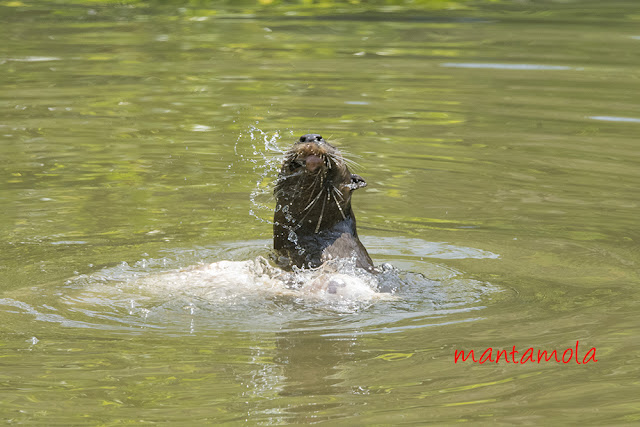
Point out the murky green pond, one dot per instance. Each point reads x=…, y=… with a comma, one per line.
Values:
x=500, y=144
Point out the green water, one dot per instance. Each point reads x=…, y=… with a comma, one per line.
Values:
x=499, y=143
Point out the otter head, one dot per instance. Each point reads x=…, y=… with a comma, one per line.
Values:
x=313, y=191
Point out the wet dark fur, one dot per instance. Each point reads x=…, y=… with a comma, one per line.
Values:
x=314, y=221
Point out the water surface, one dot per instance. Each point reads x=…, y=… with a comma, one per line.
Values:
x=499, y=143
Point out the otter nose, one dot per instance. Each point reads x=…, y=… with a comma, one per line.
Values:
x=311, y=137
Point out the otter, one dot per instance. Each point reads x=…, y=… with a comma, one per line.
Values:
x=313, y=220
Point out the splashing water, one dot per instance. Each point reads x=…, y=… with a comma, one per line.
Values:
x=265, y=154
x=185, y=292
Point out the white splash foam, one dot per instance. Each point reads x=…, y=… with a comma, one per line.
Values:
x=227, y=280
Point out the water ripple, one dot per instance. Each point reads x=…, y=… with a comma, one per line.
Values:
x=507, y=66
x=615, y=119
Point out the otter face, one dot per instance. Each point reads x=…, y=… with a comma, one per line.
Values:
x=315, y=184
x=312, y=152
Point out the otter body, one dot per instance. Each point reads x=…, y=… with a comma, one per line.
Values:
x=313, y=221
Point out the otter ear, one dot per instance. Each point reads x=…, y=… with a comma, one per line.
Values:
x=357, y=182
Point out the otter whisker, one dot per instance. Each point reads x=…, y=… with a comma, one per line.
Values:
x=315, y=199
x=338, y=205
x=345, y=160
x=333, y=157
x=299, y=224
x=351, y=163
x=309, y=209
x=298, y=188
x=321, y=215
x=293, y=175
x=338, y=192
x=312, y=187
x=348, y=159
x=348, y=153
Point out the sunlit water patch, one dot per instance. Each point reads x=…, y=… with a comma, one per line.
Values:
x=31, y=59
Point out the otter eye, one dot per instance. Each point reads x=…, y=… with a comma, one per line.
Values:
x=302, y=139
x=318, y=138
